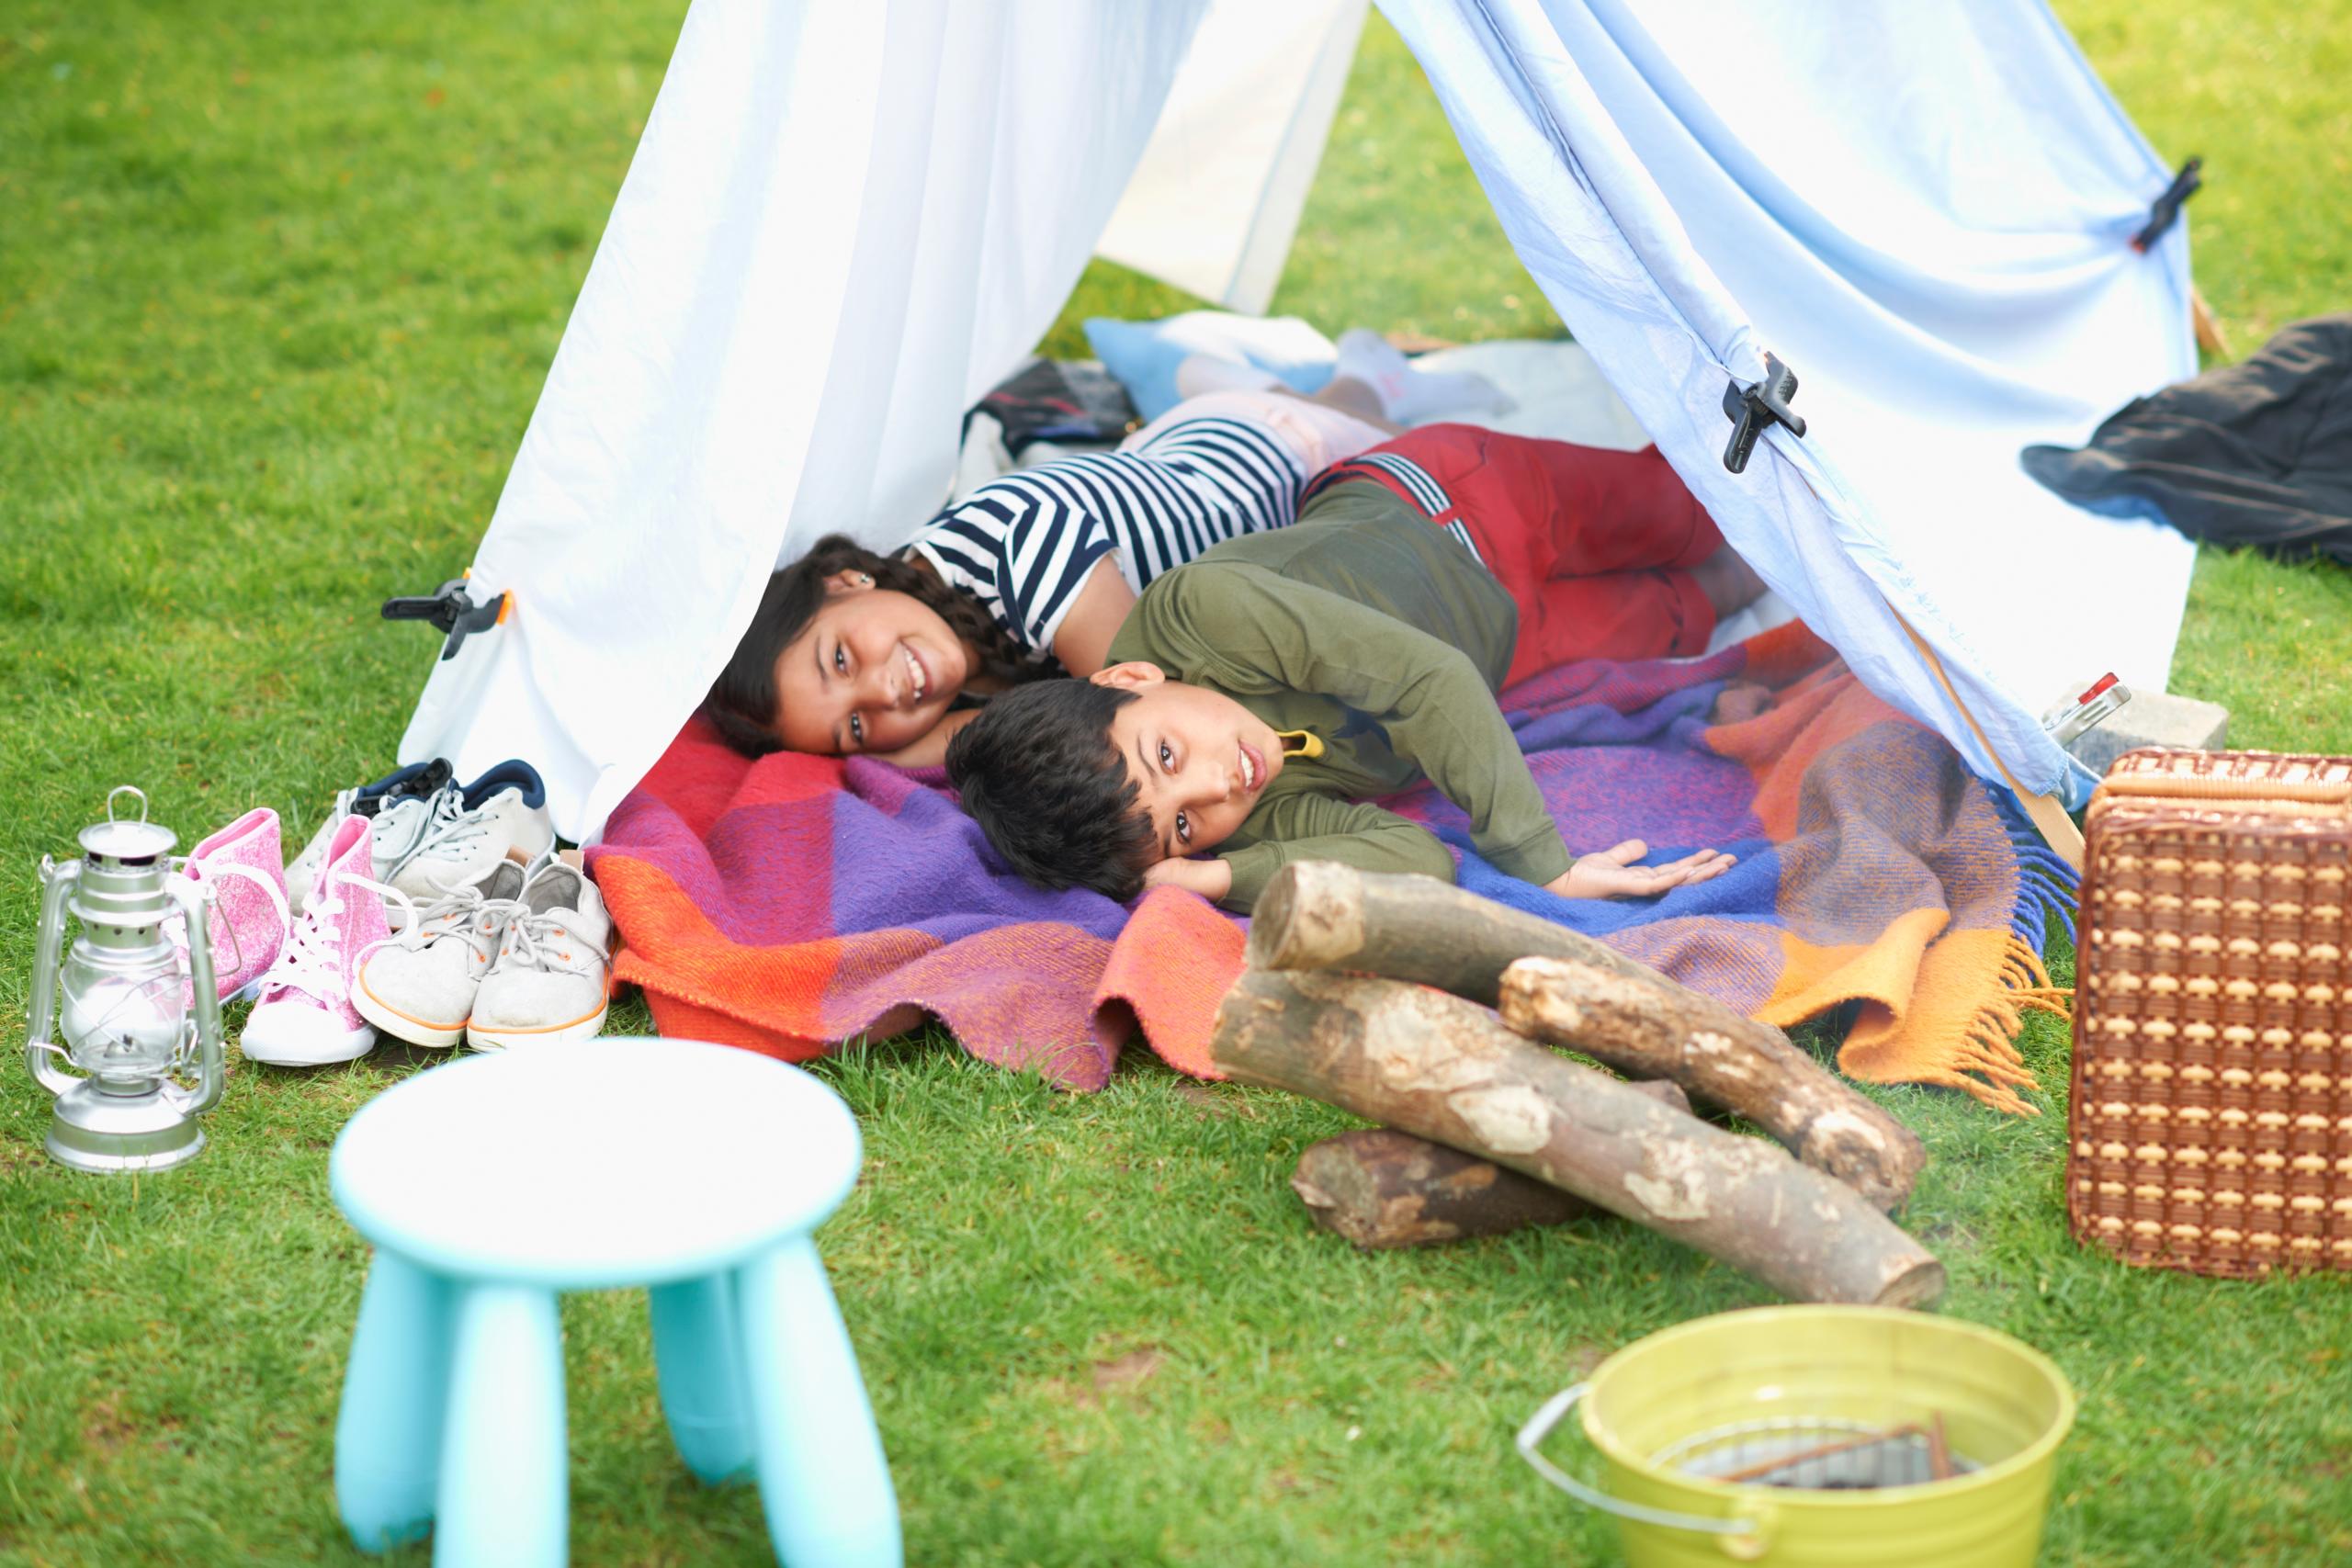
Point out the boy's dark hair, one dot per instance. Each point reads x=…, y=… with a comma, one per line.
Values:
x=741, y=703
x=1039, y=773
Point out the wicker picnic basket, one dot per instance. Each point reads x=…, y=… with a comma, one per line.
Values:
x=2210, y=1128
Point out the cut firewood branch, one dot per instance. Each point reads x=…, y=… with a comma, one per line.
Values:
x=1444, y=1069
x=1650, y=1027
x=1322, y=915
x=1380, y=1188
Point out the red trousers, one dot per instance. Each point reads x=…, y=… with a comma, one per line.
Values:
x=1595, y=547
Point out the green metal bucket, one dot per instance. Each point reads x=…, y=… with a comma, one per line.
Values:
x=1713, y=1393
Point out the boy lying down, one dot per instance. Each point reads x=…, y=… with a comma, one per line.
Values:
x=1256, y=695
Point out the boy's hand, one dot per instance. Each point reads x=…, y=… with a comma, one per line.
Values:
x=1741, y=701
x=1612, y=874
x=1212, y=879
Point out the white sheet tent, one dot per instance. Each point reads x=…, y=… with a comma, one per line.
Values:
x=844, y=222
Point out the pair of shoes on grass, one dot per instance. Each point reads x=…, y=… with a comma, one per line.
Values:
x=416, y=834
x=518, y=957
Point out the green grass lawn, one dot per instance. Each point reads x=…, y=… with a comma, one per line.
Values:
x=278, y=285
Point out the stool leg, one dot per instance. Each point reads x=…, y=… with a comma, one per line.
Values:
x=504, y=1492
x=695, y=1335
x=387, y=1435
x=823, y=1479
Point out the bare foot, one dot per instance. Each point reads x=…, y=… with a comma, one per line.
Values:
x=1729, y=583
x=1407, y=393
x=1357, y=400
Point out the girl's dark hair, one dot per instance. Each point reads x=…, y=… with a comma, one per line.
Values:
x=741, y=703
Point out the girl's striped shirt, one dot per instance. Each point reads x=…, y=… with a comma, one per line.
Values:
x=1022, y=544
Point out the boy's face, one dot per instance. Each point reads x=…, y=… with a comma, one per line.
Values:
x=1198, y=760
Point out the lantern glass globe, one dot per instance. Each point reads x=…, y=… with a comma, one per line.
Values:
x=123, y=1026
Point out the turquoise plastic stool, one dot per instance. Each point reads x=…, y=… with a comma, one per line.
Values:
x=489, y=1185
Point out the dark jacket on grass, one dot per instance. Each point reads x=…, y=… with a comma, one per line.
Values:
x=2258, y=453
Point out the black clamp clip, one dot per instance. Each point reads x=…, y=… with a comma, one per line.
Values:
x=452, y=610
x=2167, y=210
x=1752, y=408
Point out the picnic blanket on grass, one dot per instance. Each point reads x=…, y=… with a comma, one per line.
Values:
x=792, y=903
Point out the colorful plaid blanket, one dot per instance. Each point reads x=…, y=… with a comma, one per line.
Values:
x=793, y=903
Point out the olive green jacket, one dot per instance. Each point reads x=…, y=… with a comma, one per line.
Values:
x=1366, y=627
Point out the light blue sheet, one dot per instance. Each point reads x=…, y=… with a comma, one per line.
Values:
x=1923, y=209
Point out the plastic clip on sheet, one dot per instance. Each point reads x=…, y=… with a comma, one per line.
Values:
x=451, y=609
x=1751, y=408
x=2166, y=208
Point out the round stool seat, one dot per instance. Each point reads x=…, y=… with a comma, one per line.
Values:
x=598, y=1163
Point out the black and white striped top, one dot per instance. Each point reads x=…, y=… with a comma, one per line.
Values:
x=1022, y=544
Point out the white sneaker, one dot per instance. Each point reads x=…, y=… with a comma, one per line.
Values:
x=552, y=979
x=419, y=985
x=401, y=827
x=428, y=848
x=305, y=1017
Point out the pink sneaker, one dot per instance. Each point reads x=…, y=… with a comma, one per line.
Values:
x=305, y=1017
x=244, y=866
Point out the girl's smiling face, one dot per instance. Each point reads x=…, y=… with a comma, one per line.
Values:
x=873, y=671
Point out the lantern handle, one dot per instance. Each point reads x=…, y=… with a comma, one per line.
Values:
x=195, y=899
x=127, y=789
x=56, y=882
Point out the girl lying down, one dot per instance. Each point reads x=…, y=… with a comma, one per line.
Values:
x=1032, y=574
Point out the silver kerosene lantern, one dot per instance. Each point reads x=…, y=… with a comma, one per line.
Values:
x=126, y=1020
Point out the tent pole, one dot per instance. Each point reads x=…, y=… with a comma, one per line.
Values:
x=2049, y=818
x=2209, y=327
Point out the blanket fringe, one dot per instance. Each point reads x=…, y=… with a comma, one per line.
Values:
x=2027, y=983
x=1983, y=1060
x=2047, y=885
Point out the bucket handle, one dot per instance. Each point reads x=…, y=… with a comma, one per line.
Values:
x=1539, y=1427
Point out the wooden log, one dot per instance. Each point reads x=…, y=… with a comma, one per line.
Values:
x=1654, y=1029
x=1319, y=915
x=1442, y=1068
x=1380, y=1188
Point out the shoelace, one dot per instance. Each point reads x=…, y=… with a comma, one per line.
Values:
x=442, y=811
x=452, y=913
x=209, y=875
x=310, y=961
x=446, y=835
x=458, y=832
x=539, y=943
